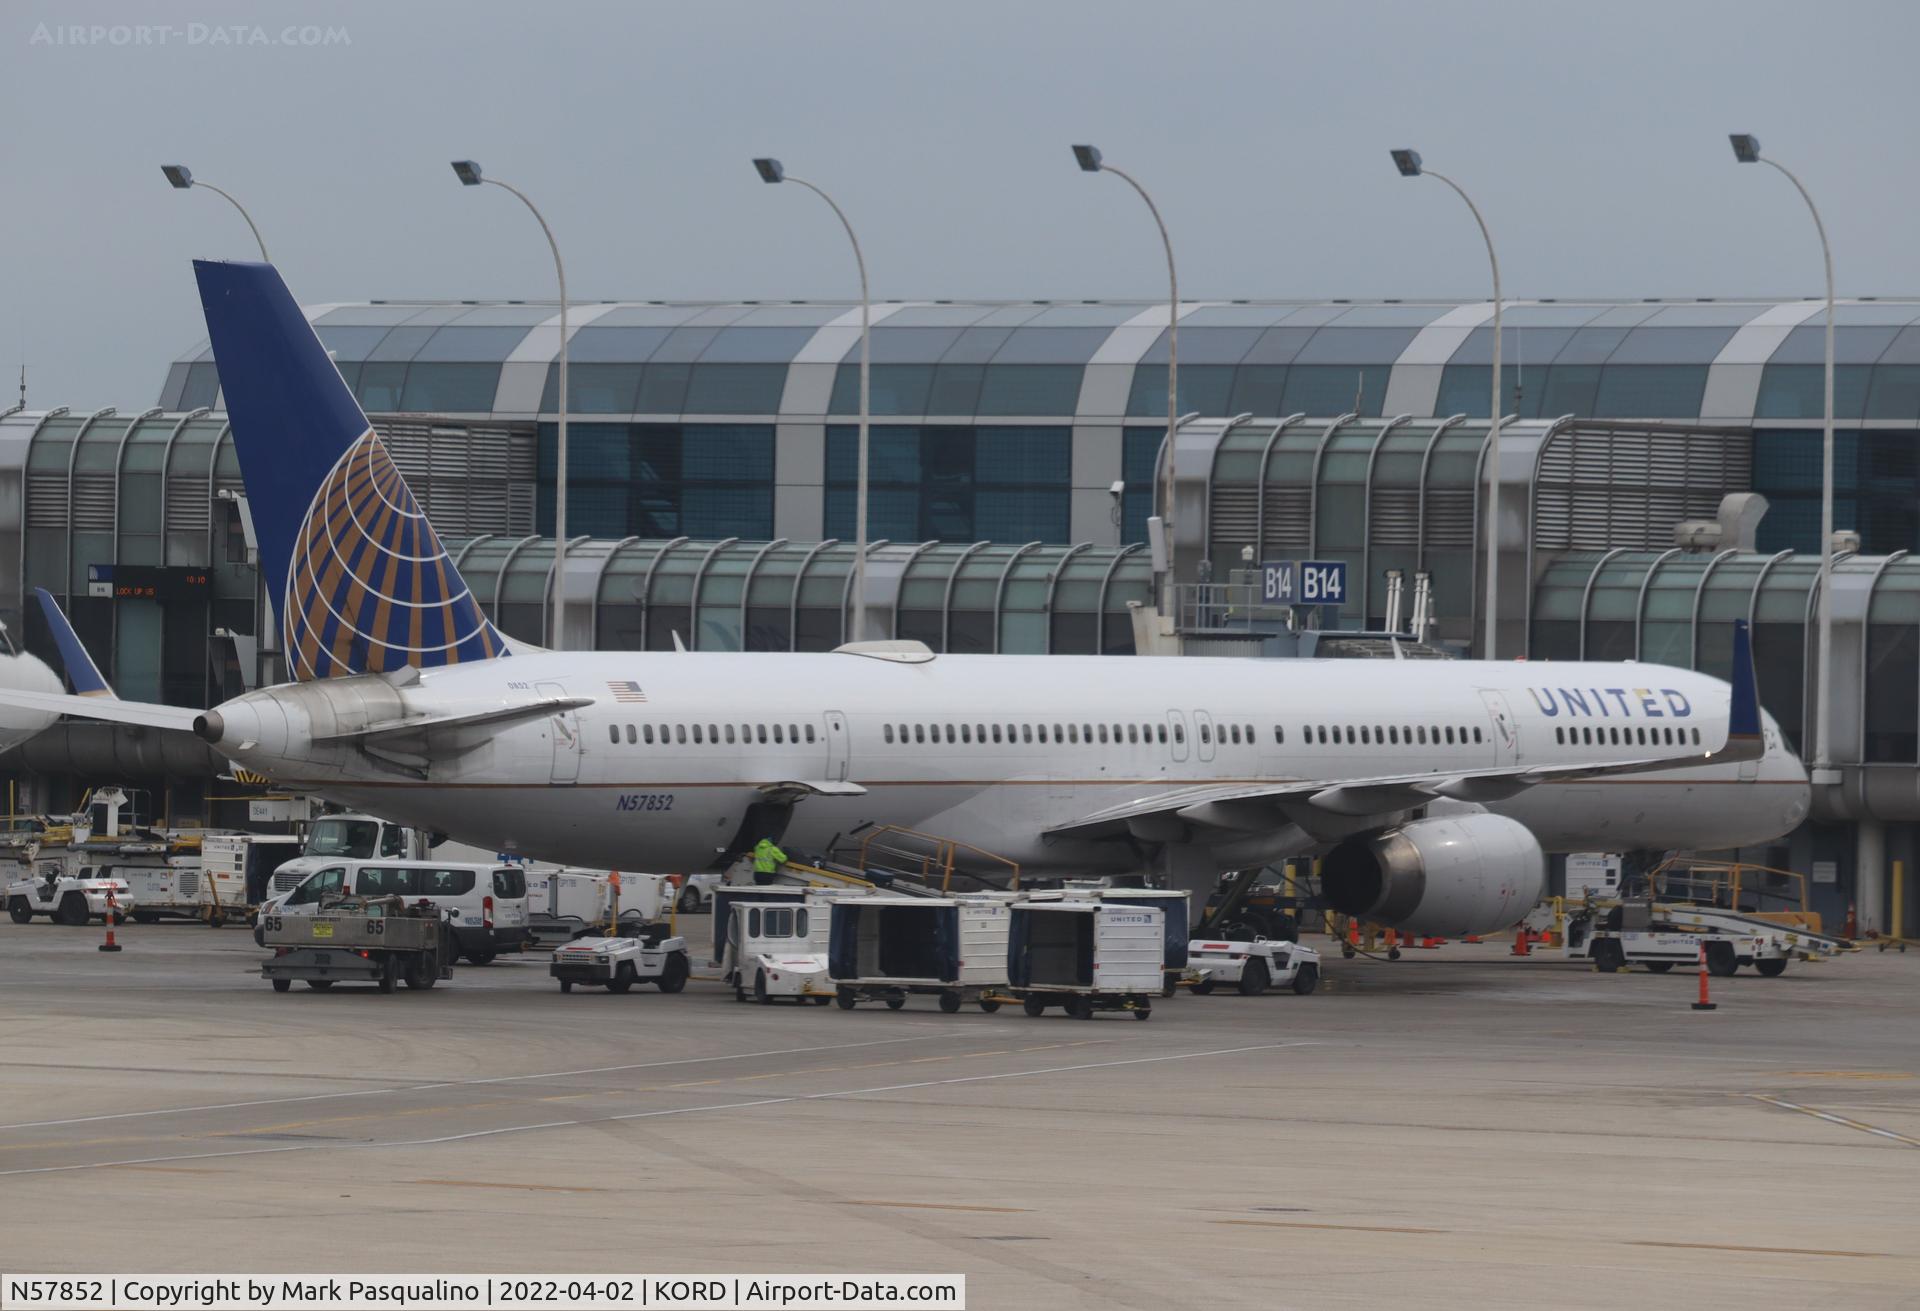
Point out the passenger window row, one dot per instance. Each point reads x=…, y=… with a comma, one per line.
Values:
x=1396, y=735
x=1636, y=735
x=714, y=734
x=1027, y=733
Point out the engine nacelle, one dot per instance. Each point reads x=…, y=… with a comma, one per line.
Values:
x=1447, y=877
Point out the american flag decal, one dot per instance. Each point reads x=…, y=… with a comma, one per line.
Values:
x=626, y=691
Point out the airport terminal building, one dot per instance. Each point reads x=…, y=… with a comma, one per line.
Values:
x=712, y=482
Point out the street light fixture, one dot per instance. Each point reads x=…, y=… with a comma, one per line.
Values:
x=468, y=171
x=181, y=178
x=771, y=170
x=1746, y=149
x=1410, y=166
x=1090, y=161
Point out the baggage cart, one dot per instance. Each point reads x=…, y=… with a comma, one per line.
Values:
x=1086, y=956
x=378, y=940
x=886, y=949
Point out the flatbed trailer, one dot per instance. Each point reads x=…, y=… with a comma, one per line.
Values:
x=378, y=940
x=1660, y=935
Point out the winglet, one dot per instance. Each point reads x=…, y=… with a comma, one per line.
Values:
x=1743, y=712
x=84, y=674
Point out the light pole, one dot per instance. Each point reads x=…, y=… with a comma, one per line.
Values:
x=1746, y=149
x=182, y=178
x=469, y=174
x=1088, y=157
x=770, y=170
x=1408, y=162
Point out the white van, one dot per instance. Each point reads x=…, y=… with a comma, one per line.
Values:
x=485, y=905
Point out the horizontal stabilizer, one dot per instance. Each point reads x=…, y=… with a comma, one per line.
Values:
x=492, y=716
x=113, y=711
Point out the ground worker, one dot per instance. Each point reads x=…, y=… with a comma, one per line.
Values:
x=767, y=860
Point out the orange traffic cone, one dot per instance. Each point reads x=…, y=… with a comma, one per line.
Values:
x=112, y=913
x=1703, y=1004
x=1520, y=940
x=1853, y=924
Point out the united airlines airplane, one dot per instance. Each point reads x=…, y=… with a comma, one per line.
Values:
x=1432, y=787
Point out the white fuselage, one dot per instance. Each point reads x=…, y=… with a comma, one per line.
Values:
x=995, y=750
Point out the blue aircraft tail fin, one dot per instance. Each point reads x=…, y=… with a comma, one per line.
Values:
x=1743, y=714
x=360, y=581
x=81, y=671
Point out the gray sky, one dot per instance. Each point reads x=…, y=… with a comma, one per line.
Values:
x=1593, y=134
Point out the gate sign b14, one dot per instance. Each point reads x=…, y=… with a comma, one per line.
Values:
x=1303, y=582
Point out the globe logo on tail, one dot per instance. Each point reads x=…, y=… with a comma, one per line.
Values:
x=370, y=588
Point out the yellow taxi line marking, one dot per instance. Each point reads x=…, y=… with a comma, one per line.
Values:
x=943, y=1206
x=1831, y=1118
x=1846, y=1074
x=484, y=1183
x=77, y=1142
x=1306, y=1224
x=1770, y=1251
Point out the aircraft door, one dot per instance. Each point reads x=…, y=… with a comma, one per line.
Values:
x=1177, y=734
x=1506, y=731
x=1203, y=731
x=563, y=726
x=839, y=750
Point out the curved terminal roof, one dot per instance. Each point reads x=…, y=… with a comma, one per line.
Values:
x=730, y=595
x=1105, y=360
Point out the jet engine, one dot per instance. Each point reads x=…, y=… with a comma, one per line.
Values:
x=1447, y=877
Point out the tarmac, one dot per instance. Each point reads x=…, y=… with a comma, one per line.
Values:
x=1457, y=1128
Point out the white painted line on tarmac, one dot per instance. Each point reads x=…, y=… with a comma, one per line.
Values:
x=670, y=1111
x=465, y=1083
x=1830, y=1118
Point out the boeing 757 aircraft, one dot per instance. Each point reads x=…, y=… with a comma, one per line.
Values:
x=1432, y=787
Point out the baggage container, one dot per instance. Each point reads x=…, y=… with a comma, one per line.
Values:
x=1176, y=905
x=887, y=948
x=1086, y=956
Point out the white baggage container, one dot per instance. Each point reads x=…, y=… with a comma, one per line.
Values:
x=1177, y=905
x=887, y=948
x=1086, y=956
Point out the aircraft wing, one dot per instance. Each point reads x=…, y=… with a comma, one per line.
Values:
x=1255, y=807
